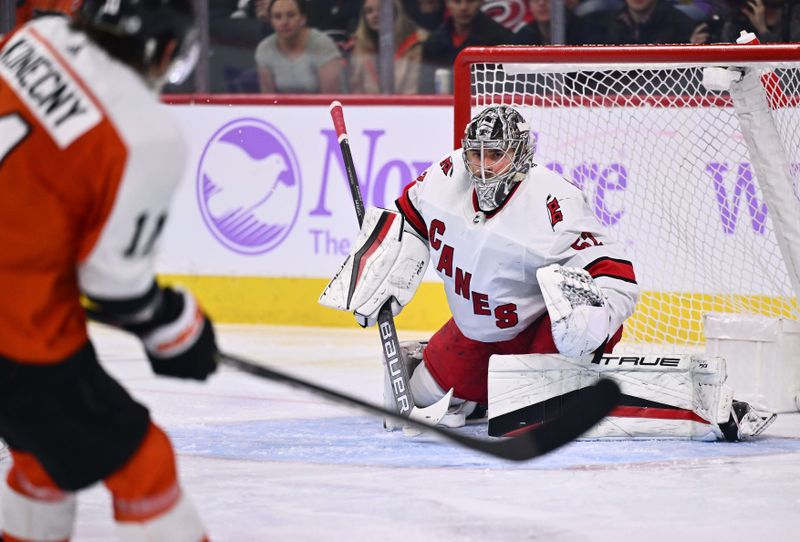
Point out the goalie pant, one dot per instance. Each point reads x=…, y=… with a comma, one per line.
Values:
x=682, y=397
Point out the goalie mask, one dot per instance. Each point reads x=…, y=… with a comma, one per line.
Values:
x=497, y=153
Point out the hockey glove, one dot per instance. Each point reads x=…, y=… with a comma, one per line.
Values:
x=387, y=264
x=183, y=346
x=178, y=337
x=579, y=317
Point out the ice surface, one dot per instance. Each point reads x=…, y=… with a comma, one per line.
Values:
x=265, y=462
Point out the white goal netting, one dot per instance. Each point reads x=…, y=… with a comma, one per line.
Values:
x=667, y=167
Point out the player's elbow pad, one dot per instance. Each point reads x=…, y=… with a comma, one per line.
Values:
x=387, y=264
x=177, y=336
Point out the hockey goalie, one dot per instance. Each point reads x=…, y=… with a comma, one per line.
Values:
x=538, y=293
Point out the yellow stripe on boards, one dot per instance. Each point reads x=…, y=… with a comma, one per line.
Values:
x=293, y=301
x=660, y=317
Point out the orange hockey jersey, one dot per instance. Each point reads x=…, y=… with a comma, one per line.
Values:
x=89, y=160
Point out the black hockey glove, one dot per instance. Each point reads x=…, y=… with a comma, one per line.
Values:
x=177, y=336
x=184, y=346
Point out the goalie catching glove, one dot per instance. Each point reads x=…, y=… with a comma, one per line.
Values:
x=387, y=264
x=579, y=316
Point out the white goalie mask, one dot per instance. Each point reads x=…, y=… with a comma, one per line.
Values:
x=497, y=153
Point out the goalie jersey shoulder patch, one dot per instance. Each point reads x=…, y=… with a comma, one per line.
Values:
x=554, y=210
x=447, y=166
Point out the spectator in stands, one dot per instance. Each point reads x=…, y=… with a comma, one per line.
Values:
x=238, y=21
x=234, y=29
x=296, y=58
x=429, y=14
x=651, y=22
x=336, y=18
x=467, y=26
x=773, y=21
x=364, y=73
x=538, y=31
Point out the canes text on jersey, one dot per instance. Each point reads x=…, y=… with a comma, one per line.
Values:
x=505, y=315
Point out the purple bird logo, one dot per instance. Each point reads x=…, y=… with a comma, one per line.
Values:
x=248, y=186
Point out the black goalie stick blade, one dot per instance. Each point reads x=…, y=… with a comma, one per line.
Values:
x=590, y=405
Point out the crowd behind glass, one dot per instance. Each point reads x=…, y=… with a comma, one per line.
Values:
x=407, y=46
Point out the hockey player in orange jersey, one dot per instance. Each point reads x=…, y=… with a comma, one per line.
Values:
x=88, y=164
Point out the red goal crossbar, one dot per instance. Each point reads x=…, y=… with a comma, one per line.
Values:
x=629, y=54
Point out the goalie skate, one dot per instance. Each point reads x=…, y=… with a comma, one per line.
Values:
x=438, y=413
x=746, y=422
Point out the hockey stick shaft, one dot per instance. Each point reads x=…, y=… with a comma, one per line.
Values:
x=397, y=370
x=337, y=115
x=591, y=405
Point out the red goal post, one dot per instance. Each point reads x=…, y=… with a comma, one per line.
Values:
x=676, y=170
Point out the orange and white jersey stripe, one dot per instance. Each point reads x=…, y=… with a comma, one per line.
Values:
x=89, y=160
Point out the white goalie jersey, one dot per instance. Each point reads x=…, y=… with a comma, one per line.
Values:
x=488, y=261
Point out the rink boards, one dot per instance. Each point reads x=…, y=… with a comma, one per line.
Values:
x=264, y=216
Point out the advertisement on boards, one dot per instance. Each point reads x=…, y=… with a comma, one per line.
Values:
x=266, y=194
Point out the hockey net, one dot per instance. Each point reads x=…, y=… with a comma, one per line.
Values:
x=666, y=165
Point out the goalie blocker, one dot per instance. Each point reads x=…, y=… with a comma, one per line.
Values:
x=672, y=397
x=387, y=263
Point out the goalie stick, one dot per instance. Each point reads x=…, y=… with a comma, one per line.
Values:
x=588, y=406
x=395, y=366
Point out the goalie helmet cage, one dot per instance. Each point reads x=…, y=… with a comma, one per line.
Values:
x=674, y=170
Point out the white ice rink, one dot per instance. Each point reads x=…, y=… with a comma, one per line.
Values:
x=264, y=462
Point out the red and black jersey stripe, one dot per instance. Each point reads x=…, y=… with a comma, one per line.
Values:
x=411, y=214
x=613, y=268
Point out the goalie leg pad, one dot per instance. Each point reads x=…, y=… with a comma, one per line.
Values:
x=663, y=397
